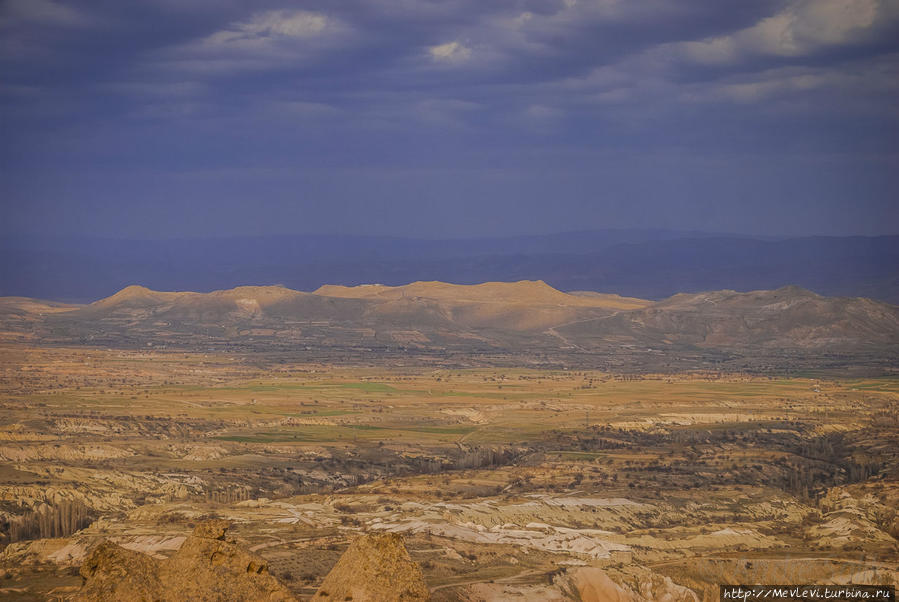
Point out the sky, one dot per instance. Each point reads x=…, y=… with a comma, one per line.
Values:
x=448, y=119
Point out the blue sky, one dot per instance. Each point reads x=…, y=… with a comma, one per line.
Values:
x=171, y=118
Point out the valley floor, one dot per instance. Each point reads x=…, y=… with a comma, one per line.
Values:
x=503, y=481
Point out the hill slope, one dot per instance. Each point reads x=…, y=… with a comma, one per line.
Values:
x=521, y=318
x=789, y=317
x=524, y=292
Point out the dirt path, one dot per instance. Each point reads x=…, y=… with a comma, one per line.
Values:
x=462, y=439
x=510, y=580
x=555, y=333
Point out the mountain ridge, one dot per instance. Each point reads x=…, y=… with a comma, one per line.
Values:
x=528, y=318
x=641, y=264
x=524, y=291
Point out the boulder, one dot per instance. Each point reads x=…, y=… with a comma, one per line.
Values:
x=113, y=573
x=375, y=568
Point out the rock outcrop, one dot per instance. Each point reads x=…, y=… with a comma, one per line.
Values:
x=112, y=572
x=636, y=584
x=585, y=584
x=375, y=568
x=207, y=567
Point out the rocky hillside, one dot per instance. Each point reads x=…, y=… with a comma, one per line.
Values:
x=789, y=317
x=206, y=567
x=375, y=568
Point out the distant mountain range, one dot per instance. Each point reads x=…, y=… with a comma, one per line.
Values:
x=651, y=264
x=777, y=329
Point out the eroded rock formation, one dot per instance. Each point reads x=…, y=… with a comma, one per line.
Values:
x=375, y=568
x=207, y=567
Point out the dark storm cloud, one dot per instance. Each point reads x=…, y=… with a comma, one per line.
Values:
x=581, y=112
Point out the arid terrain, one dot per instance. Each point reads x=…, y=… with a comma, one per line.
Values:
x=526, y=443
x=515, y=324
